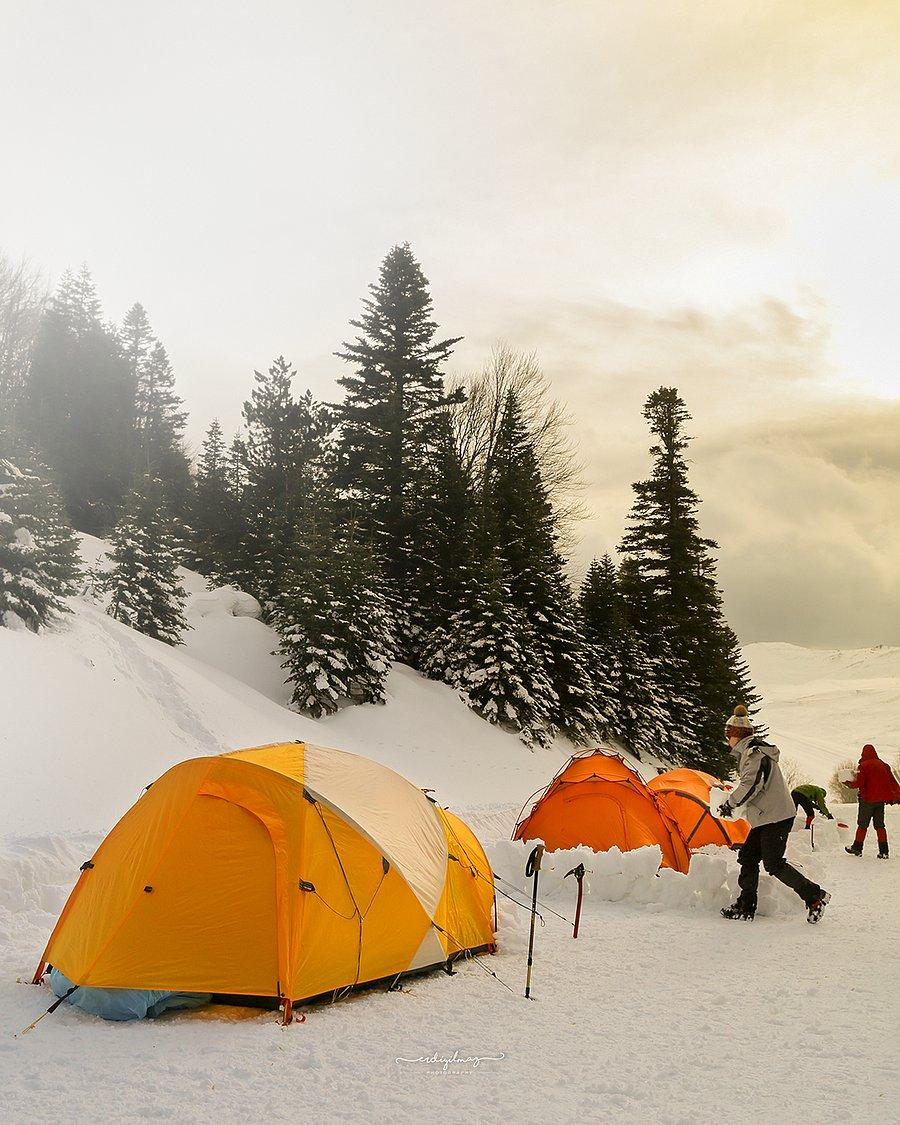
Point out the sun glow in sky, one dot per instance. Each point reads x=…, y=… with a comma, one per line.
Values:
x=698, y=192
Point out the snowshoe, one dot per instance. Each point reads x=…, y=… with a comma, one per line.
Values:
x=739, y=912
x=853, y=849
x=817, y=908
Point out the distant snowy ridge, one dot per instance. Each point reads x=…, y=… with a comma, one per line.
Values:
x=823, y=705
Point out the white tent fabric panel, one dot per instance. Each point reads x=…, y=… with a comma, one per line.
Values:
x=391, y=811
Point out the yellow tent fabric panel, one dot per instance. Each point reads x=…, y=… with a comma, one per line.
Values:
x=464, y=913
x=286, y=758
x=176, y=937
x=122, y=867
x=361, y=923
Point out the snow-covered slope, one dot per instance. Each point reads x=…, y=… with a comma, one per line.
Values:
x=823, y=705
x=93, y=711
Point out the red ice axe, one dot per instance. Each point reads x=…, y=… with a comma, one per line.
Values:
x=578, y=872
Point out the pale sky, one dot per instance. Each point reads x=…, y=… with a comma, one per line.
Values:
x=644, y=192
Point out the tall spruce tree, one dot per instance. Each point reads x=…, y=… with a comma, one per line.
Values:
x=626, y=673
x=518, y=517
x=445, y=540
x=78, y=405
x=598, y=599
x=159, y=416
x=333, y=620
x=284, y=461
x=143, y=584
x=39, y=561
x=489, y=652
x=216, y=514
x=674, y=569
x=391, y=420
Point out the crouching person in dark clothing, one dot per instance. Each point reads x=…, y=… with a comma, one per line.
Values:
x=762, y=797
x=810, y=798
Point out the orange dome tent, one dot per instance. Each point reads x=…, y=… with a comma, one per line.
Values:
x=685, y=794
x=598, y=801
x=286, y=871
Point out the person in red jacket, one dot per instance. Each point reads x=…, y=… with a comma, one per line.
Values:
x=877, y=787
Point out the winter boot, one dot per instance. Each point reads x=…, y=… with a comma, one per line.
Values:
x=883, y=852
x=808, y=824
x=857, y=846
x=816, y=908
x=739, y=911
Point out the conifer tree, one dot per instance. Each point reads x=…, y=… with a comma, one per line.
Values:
x=216, y=515
x=284, y=464
x=488, y=651
x=159, y=417
x=638, y=716
x=444, y=543
x=518, y=516
x=333, y=620
x=626, y=673
x=39, y=561
x=674, y=576
x=143, y=584
x=78, y=405
x=308, y=617
x=391, y=417
x=599, y=601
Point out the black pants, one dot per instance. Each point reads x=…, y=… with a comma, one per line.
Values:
x=766, y=844
x=870, y=811
x=803, y=802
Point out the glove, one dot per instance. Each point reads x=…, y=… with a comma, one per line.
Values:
x=725, y=810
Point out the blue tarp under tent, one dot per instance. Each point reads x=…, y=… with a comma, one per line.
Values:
x=124, y=1003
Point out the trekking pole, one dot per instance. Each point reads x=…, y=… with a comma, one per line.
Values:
x=532, y=868
x=812, y=835
x=578, y=872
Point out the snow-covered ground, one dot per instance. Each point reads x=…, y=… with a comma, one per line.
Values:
x=660, y=1011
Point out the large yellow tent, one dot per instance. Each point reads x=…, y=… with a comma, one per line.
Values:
x=286, y=871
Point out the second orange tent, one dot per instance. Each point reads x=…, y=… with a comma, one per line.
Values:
x=598, y=801
x=685, y=794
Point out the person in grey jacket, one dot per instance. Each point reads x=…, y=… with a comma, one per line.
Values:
x=763, y=798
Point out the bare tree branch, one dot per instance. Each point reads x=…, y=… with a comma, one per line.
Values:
x=477, y=420
x=23, y=294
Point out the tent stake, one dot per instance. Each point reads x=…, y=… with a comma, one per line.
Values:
x=532, y=868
